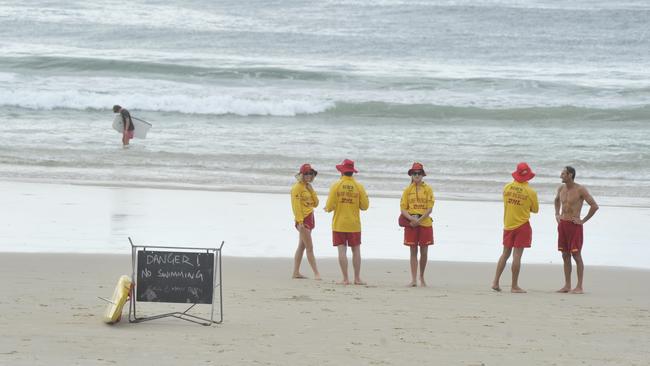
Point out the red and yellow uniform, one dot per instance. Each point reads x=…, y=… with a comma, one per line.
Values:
x=519, y=200
x=417, y=200
x=303, y=202
x=346, y=198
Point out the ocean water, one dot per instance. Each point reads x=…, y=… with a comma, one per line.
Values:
x=241, y=93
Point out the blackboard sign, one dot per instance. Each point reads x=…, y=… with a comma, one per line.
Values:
x=176, y=277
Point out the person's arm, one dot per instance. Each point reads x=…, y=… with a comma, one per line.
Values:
x=424, y=216
x=558, y=204
x=593, y=206
x=330, y=205
x=314, y=196
x=534, y=204
x=404, y=205
x=296, y=205
x=363, y=198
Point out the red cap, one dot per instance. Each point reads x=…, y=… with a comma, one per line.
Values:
x=346, y=166
x=523, y=173
x=306, y=168
x=417, y=166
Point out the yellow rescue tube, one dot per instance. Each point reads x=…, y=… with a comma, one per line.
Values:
x=120, y=295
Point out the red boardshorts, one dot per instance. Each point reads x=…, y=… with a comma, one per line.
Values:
x=308, y=222
x=520, y=237
x=349, y=239
x=569, y=237
x=418, y=235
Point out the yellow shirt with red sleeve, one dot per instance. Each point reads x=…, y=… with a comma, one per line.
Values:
x=418, y=199
x=303, y=201
x=519, y=200
x=346, y=198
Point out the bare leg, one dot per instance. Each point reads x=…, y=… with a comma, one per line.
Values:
x=501, y=265
x=305, y=237
x=424, y=251
x=297, y=258
x=580, y=269
x=356, y=263
x=566, y=257
x=516, y=267
x=414, y=265
x=343, y=263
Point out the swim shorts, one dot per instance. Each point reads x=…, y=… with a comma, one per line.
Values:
x=418, y=235
x=308, y=222
x=569, y=236
x=521, y=237
x=349, y=239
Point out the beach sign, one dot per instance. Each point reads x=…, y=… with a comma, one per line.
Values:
x=178, y=275
x=175, y=277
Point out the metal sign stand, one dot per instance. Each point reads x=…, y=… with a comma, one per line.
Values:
x=133, y=318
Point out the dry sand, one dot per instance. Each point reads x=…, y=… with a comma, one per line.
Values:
x=50, y=315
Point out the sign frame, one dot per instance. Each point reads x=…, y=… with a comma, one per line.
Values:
x=183, y=315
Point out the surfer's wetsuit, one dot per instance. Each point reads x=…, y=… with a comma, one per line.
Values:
x=126, y=116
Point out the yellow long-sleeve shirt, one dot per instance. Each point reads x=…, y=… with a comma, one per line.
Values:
x=346, y=198
x=519, y=200
x=417, y=200
x=303, y=201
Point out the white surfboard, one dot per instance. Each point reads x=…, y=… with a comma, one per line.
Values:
x=141, y=127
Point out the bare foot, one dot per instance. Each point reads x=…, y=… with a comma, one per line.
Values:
x=577, y=290
x=359, y=282
x=298, y=276
x=412, y=284
x=517, y=290
x=422, y=283
x=564, y=290
x=344, y=282
x=317, y=277
x=496, y=287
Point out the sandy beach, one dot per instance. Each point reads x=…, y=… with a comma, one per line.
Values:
x=50, y=315
x=240, y=94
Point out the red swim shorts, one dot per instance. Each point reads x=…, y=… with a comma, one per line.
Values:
x=520, y=237
x=418, y=235
x=308, y=222
x=349, y=239
x=569, y=236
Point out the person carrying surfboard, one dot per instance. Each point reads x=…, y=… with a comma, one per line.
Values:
x=127, y=133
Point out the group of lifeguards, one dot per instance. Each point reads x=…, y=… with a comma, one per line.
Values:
x=347, y=198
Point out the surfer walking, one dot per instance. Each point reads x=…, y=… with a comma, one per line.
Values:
x=127, y=132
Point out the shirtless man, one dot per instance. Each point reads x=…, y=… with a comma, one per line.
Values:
x=569, y=199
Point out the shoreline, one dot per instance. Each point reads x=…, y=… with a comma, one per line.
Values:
x=604, y=201
x=83, y=219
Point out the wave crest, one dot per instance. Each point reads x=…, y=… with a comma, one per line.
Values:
x=210, y=104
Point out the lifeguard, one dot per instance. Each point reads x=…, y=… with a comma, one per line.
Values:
x=519, y=200
x=346, y=198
